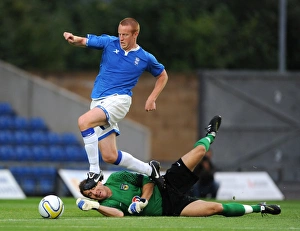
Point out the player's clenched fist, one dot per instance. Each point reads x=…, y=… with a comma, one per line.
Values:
x=137, y=205
x=69, y=37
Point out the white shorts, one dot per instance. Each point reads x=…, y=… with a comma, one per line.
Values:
x=115, y=107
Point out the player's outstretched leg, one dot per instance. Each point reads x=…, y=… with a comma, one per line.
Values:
x=213, y=126
x=269, y=209
x=236, y=209
x=212, y=130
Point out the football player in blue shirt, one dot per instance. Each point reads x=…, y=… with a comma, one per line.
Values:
x=123, y=61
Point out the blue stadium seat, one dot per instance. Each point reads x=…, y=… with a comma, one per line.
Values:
x=29, y=186
x=20, y=123
x=6, y=109
x=21, y=172
x=40, y=153
x=35, y=180
x=44, y=172
x=6, y=137
x=39, y=137
x=7, y=153
x=46, y=186
x=6, y=122
x=68, y=138
x=53, y=138
x=56, y=153
x=23, y=153
x=22, y=137
x=16, y=171
x=75, y=153
x=83, y=156
x=46, y=179
x=37, y=123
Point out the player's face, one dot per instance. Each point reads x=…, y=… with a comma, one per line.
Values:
x=99, y=192
x=127, y=38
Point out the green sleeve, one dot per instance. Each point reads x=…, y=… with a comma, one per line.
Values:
x=136, y=179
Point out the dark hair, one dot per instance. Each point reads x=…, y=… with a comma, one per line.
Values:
x=81, y=187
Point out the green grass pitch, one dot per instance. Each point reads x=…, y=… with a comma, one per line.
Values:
x=23, y=215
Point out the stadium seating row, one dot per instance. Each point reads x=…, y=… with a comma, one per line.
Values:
x=18, y=122
x=29, y=141
x=36, y=180
x=41, y=153
x=22, y=137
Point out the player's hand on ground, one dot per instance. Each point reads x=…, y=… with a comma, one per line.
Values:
x=137, y=205
x=85, y=204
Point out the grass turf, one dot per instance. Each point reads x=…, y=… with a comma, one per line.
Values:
x=23, y=215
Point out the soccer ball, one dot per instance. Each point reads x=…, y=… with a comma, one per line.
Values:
x=51, y=206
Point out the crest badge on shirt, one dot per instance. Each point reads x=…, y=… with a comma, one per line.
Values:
x=124, y=187
x=136, y=61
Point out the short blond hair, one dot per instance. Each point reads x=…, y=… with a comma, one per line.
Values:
x=131, y=22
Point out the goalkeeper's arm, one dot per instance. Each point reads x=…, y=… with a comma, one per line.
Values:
x=139, y=203
x=147, y=190
x=85, y=204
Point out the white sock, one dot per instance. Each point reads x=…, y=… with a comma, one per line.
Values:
x=134, y=164
x=91, y=148
x=248, y=209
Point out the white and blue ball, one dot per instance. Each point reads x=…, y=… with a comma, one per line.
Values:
x=51, y=206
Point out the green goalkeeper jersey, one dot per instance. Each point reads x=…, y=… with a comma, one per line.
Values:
x=124, y=186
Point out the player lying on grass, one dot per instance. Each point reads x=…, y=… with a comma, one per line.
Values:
x=126, y=193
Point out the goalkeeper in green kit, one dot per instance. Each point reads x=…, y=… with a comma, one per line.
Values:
x=126, y=193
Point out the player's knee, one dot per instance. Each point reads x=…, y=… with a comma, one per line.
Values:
x=201, y=149
x=110, y=159
x=200, y=152
x=82, y=123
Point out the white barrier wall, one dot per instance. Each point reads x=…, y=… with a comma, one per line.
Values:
x=247, y=186
x=9, y=188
